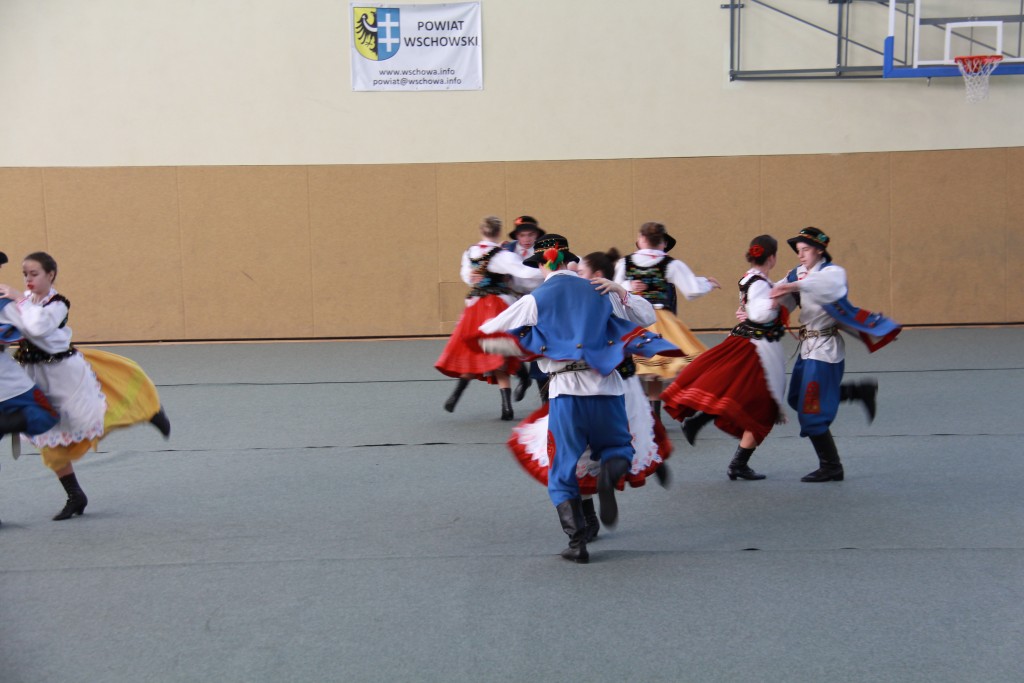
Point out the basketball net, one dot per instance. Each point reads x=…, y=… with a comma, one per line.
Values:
x=976, y=69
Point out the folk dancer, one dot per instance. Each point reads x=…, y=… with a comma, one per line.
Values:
x=487, y=268
x=652, y=273
x=575, y=329
x=819, y=287
x=741, y=382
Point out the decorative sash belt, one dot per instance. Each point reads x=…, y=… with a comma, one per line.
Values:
x=811, y=334
x=575, y=366
x=31, y=355
x=772, y=332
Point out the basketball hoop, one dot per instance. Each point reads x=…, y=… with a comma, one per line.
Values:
x=976, y=69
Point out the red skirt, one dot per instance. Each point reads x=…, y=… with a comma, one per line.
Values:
x=462, y=356
x=726, y=381
x=651, y=447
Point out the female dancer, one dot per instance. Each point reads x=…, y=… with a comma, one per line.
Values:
x=651, y=445
x=651, y=273
x=739, y=383
x=486, y=267
x=93, y=391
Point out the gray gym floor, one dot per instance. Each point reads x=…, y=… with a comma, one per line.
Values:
x=316, y=516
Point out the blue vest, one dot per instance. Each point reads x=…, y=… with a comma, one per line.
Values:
x=874, y=329
x=575, y=322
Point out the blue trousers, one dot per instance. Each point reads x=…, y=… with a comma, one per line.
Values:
x=575, y=422
x=36, y=407
x=814, y=394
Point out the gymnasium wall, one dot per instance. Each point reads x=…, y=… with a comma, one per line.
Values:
x=203, y=170
x=319, y=251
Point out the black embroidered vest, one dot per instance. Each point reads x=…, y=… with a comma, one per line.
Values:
x=772, y=331
x=492, y=283
x=659, y=290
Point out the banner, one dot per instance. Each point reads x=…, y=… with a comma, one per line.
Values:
x=417, y=47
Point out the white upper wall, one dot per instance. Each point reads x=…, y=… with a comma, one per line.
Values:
x=239, y=82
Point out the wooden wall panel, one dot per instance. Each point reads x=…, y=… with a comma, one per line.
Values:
x=712, y=207
x=246, y=252
x=114, y=233
x=847, y=196
x=589, y=202
x=466, y=193
x=375, y=268
x=949, y=218
x=1014, y=234
x=22, y=220
x=353, y=251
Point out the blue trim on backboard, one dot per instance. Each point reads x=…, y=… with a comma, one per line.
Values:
x=891, y=71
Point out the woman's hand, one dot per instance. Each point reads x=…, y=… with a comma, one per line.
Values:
x=6, y=292
x=605, y=286
x=714, y=283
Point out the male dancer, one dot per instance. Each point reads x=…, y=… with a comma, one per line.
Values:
x=819, y=287
x=521, y=241
x=582, y=336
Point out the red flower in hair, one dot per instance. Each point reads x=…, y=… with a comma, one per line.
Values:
x=756, y=250
x=550, y=255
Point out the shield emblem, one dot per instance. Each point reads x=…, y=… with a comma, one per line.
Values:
x=376, y=32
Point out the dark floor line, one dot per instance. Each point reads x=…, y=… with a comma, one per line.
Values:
x=409, y=381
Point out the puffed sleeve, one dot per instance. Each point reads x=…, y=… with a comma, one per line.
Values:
x=689, y=285
x=824, y=286
x=508, y=263
x=36, y=321
x=620, y=272
x=635, y=309
x=466, y=268
x=522, y=312
x=759, y=303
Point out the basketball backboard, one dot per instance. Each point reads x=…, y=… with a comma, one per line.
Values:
x=855, y=39
x=926, y=36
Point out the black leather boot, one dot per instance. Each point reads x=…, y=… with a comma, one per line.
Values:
x=13, y=423
x=656, y=410
x=76, y=498
x=830, y=469
x=542, y=387
x=506, y=405
x=460, y=386
x=694, y=424
x=663, y=475
x=161, y=422
x=523, y=374
x=865, y=391
x=739, y=469
x=570, y=514
x=611, y=471
x=593, y=525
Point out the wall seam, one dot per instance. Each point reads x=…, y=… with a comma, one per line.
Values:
x=46, y=218
x=892, y=234
x=1005, y=194
x=632, y=191
x=437, y=252
x=181, y=248
x=309, y=243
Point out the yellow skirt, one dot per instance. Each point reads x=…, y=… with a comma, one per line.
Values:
x=131, y=398
x=675, y=332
